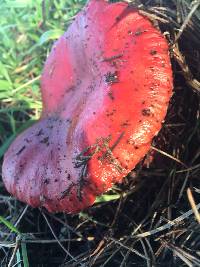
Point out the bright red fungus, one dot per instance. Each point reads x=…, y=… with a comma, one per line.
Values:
x=105, y=90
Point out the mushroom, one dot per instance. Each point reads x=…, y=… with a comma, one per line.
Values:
x=105, y=90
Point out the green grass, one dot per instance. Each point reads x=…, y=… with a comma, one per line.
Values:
x=27, y=31
x=147, y=219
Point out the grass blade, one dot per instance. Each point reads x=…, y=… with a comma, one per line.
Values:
x=25, y=255
x=9, y=225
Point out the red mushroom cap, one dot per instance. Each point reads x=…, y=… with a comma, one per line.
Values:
x=105, y=89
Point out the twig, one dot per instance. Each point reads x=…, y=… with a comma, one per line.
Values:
x=183, y=186
x=189, y=169
x=186, y=257
x=129, y=248
x=26, y=84
x=60, y=244
x=169, y=224
x=14, y=251
x=169, y=156
x=192, y=82
x=17, y=263
x=193, y=204
x=50, y=241
x=186, y=22
x=100, y=248
x=7, y=244
x=20, y=217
